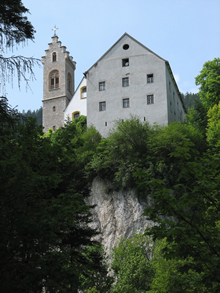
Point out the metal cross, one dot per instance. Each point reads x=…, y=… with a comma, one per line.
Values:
x=54, y=29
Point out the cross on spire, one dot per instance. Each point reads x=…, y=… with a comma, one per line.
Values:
x=55, y=29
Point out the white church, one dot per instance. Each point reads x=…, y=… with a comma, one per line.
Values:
x=127, y=79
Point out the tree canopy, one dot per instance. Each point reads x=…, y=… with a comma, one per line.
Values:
x=209, y=82
x=45, y=232
x=15, y=28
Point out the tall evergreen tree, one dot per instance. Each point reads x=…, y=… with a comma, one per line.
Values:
x=44, y=222
x=15, y=28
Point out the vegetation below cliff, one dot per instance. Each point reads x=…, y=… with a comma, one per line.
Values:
x=45, y=224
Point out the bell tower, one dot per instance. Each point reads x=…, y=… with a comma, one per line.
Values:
x=58, y=83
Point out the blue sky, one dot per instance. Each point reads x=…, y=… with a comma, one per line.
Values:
x=184, y=32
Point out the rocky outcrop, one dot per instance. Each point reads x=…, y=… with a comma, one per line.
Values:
x=116, y=214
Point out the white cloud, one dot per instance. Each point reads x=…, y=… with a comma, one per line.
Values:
x=177, y=78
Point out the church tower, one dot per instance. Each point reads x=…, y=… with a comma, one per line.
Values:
x=58, y=83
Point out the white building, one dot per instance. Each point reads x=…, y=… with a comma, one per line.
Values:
x=128, y=79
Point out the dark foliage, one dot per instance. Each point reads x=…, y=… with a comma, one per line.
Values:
x=44, y=222
x=36, y=114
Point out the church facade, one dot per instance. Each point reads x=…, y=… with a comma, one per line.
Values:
x=127, y=79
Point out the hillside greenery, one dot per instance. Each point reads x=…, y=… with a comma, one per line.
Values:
x=46, y=237
x=35, y=114
x=46, y=240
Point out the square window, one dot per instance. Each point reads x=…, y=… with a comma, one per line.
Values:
x=102, y=106
x=150, y=99
x=102, y=86
x=126, y=103
x=125, y=81
x=150, y=78
x=125, y=62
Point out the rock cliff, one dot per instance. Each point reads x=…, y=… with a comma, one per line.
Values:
x=117, y=213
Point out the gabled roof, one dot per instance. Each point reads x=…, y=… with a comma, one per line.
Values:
x=167, y=63
x=125, y=34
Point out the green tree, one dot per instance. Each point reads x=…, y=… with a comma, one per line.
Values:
x=122, y=152
x=190, y=99
x=44, y=222
x=15, y=29
x=213, y=127
x=168, y=277
x=34, y=114
x=209, y=93
x=132, y=264
x=186, y=211
x=209, y=82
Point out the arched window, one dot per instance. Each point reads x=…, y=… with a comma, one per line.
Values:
x=54, y=108
x=83, y=94
x=54, y=127
x=54, y=56
x=75, y=115
x=69, y=83
x=54, y=79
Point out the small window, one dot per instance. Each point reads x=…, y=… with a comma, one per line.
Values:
x=54, y=128
x=54, y=108
x=102, y=86
x=126, y=47
x=83, y=94
x=125, y=62
x=144, y=119
x=174, y=97
x=170, y=86
x=75, y=115
x=54, y=56
x=126, y=103
x=150, y=78
x=102, y=106
x=150, y=99
x=125, y=81
x=105, y=123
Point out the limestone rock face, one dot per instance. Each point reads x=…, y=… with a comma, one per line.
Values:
x=117, y=214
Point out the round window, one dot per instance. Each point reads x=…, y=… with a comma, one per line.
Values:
x=126, y=47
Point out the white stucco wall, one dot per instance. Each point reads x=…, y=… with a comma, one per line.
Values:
x=110, y=70
x=78, y=102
